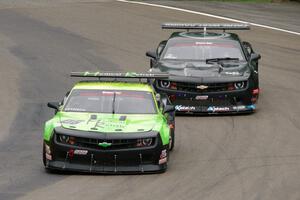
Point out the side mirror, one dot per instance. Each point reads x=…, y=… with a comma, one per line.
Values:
x=254, y=56
x=248, y=47
x=169, y=108
x=151, y=54
x=54, y=105
x=161, y=47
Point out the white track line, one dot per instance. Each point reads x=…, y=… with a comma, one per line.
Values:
x=210, y=15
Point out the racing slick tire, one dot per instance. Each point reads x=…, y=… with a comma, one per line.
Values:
x=172, y=140
x=48, y=170
x=44, y=155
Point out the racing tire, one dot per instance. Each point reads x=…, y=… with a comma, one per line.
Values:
x=44, y=156
x=172, y=140
x=48, y=170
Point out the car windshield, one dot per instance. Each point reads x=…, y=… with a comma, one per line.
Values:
x=108, y=101
x=198, y=50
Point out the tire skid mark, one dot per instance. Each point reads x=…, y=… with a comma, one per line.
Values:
x=231, y=162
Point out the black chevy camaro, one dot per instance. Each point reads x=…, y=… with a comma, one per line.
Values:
x=210, y=72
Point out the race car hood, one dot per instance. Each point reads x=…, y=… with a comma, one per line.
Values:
x=110, y=123
x=215, y=71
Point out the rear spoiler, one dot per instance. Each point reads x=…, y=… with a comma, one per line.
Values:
x=120, y=75
x=206, y=26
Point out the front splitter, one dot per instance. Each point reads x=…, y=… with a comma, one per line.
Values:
x=232, y=109
x=102, y=169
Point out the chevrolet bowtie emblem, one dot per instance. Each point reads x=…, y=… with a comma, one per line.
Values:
x=202, y=87
x=104, y=144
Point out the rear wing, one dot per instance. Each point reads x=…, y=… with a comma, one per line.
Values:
x=120, y=75
x=206, y=26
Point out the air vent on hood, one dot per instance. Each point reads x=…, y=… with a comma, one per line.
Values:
x=122, y=118
x=93, y=117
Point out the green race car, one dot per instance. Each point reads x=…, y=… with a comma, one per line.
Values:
x=117, y=124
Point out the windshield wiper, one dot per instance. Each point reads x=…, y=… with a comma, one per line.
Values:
x=212, y=60
x=113, y=103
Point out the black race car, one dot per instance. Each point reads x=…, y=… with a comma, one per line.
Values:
x=210, y=72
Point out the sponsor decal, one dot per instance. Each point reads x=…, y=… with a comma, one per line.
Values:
x=253, y=107
x=75, y=109
x=232, y=73
x=71, y=121
x=119, y=74
x=201, y=97
x=202, y=87
x=113, y=123
x=217, y=109
x=239, y=107
x=131, y=74
x=242, y=107
x=203, y=43
x=81, y=152
x=184, y=108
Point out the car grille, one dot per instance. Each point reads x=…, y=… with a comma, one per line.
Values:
x=206, y=88
x=113, y=144
x=192, y=87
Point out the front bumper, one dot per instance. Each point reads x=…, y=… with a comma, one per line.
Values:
x=211, y=103
x=214, y=109
x=106, y=161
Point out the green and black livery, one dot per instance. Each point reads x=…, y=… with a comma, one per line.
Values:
x=116, y=123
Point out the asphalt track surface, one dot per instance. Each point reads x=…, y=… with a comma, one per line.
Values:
x=249, y=157
x=280, y=15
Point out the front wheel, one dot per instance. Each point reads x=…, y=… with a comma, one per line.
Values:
x=44, y=155
x=172, y=140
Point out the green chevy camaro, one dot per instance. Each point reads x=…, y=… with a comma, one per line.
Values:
x=110, y=126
